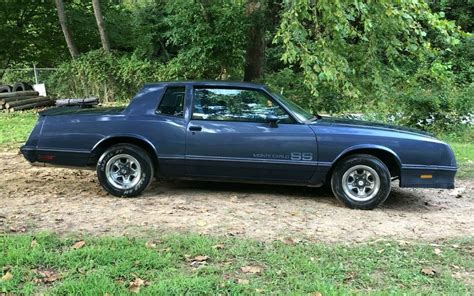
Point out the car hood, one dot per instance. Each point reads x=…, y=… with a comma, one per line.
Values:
x=369, y=124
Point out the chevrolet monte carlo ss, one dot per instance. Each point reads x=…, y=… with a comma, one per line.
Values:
x=238, y=132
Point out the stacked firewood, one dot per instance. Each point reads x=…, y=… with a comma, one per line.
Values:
x=23, y=100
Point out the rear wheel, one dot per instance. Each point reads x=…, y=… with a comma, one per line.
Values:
x=125, y=170
x=361, y=182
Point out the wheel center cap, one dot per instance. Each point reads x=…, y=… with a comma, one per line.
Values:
x=360, y=183
x=124, y=171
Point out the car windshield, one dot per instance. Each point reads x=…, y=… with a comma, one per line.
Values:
x=299, y=112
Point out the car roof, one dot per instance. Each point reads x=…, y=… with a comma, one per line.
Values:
x=208, y=83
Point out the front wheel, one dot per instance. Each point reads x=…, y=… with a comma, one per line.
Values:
x=361, y=182
x=125, y=170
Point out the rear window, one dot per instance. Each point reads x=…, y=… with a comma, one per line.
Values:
x=172, y=102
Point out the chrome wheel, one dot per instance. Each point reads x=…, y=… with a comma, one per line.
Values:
x=123, y=171
x=361, y=183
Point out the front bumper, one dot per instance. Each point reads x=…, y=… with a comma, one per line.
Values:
x=428, y=176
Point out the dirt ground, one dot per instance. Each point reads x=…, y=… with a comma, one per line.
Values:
x=62, y=200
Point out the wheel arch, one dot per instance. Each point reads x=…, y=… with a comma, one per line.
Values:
x=107, y=142
x=386, y=155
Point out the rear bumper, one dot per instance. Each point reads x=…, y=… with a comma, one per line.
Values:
x=429, y=176
x=29, y=153
x=55, y=157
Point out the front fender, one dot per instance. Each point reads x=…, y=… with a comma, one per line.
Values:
x=368, y=147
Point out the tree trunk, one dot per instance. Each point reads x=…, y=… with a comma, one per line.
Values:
x=67, y=35
x=255, y=51
x=100, y=24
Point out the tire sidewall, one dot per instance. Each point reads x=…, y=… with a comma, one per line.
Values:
x=140, y=155
x=370, y=161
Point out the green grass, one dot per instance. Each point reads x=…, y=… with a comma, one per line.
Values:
x=108, y=265
x=15, y=128
x=465, y=157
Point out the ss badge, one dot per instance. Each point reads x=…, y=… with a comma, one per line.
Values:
x=301, y=156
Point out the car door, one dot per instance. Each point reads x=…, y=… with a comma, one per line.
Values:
x=229, y=137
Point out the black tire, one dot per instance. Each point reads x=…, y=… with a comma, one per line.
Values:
x=5, y=88
x=21, y=86
x=120, y=152
x=351, y=170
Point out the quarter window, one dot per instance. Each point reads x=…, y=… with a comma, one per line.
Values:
x=236, y=105
x=172, y=102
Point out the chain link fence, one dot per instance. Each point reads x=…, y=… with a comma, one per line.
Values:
x=32, y=75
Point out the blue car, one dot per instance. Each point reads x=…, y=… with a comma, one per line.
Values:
x=237, y=132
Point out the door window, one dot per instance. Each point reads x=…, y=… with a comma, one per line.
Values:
x=228, y=104
x=172, y=102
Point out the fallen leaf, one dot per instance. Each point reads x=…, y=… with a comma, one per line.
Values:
x=201, y=258
x=242, y=281
x=46, y=276
x=7, y=276
x=13, y=229
x=428, y=271
x=6, y=268
x=289, y=241
x=403, y=243
x=254, y=269
x=316, y=294
x=350, y=276
x=78, y=244
x=218, y=246
x=34, y=243
x=437, y=251
x=201, y=223
x=135, y=286
x=381, y=251
x=150, y=245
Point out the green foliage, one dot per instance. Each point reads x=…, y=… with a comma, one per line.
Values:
x=210, y=37
x=435, y=110
x=329, y=56
x=108, y=266
x=338, y=45
x=11, y=76
x=29, y=33
x=96, y=73
x=290, y=84
x=461, y=11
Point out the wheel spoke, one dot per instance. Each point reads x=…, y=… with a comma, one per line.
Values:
x=123, y=171
x=361, y=182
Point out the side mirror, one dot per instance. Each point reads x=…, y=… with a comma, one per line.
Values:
x=272, y=120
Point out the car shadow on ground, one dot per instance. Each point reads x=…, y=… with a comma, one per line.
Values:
x=399, y=198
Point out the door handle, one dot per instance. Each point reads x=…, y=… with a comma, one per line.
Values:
x=195, y=128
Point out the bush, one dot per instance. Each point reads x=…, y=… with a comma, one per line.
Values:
x=106, y=76
x=434, y=110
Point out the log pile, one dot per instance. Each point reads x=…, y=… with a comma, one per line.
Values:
x=23, y=100
x=85, y=102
